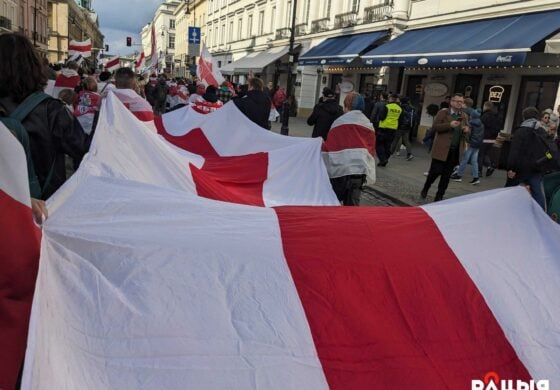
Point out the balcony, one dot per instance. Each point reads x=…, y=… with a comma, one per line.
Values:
x=283, y=33
x=347, y=19
x=5, y=23
x=320, y=25
x=378, y=12
x=301, y=29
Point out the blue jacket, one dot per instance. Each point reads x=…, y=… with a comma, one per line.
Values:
x=476, y=136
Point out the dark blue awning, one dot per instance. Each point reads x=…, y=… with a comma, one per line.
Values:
x=501, y=41
x=340, y=50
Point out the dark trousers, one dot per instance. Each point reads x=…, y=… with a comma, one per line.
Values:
x=348, y=189
x=487, y=156
x=383, y=140
x=443, y=169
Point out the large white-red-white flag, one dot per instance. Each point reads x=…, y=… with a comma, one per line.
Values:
x=140, y=62
x=83, y=48
x=19, y=257
x=113, y=63
x=207, y=70
x=146, y=279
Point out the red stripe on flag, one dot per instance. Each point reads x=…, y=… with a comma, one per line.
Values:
x=19, y=259
x=144, y=116
x=350, y=136
x=67, y=82
x=238, y=179
x=388, y=302
x=81, y=49
x=194, y=141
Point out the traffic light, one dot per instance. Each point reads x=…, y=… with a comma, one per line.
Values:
x=106, y=47
x=128, y=41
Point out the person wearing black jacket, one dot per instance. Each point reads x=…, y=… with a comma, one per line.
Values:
x=492, y=126
x=324, y=114
x=50, y=126
x=525, y=152
x=255, y=104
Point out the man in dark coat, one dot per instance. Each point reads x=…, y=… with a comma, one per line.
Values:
x=324, y=114
x=255, y=104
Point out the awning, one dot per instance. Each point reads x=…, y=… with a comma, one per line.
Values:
x=500, y=41
x=255, y=61
x=341, y=50
x=553, y=45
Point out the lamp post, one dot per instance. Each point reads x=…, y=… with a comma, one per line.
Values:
x=286, y=106
x=35, y=25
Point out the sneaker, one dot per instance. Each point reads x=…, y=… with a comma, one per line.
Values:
x=409, y=157
x=456, y=177
x=475, y=180
x=489, y=171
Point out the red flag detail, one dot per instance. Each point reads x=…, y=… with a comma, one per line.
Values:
x=19, y=259
x=390, y=306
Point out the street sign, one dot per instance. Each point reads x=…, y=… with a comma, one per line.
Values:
x=194, y=35
x=194, y=49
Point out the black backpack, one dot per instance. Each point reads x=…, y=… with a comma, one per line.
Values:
x=550, y=155
x=14, y=123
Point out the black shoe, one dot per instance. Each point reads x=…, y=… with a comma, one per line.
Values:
x=438, y=198
x=424, y=194
x=475, y=180
x=456, y=177
x=382, y=163
x=489, y=171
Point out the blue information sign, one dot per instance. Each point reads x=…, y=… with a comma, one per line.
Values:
x=194, y=35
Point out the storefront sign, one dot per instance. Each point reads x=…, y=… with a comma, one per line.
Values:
x=496, y=93
x=435, y=89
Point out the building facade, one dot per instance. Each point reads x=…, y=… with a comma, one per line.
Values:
x=188, y=14
x=28, y=17
x=69, y=21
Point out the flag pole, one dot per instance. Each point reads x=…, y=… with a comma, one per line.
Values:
x=286, y=106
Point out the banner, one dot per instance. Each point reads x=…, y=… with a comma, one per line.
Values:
x=83, y=48
x=207, y=70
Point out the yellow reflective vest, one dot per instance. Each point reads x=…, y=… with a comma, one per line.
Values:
x=391, y=121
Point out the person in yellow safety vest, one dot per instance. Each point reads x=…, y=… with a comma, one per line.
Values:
x=388, y=124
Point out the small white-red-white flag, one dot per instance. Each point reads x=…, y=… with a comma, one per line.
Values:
x=207, y=70
x=83, y=48
x=154, y=57
x=113, y=63
x=140, y=62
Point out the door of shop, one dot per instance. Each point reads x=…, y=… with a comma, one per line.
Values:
x=536, y=91
x=468, y=85
x=415, y=92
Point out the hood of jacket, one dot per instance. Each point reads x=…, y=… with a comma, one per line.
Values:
x=331, y=106
x=531, y=122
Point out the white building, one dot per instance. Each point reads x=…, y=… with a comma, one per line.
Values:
x=164, y=23
x=333, y=40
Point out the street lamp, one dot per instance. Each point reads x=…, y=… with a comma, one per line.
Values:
x=286, y=106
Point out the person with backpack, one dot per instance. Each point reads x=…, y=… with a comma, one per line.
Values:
x=474, y=142
x=42, y=119
x=531, y=154
x=324, y=114
x=406, y=123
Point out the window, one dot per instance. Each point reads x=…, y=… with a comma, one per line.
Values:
x=261, y=23
x=172, y=24
x=216, y=36
x=230, y=32
x=223, y=37
x=172, y=41
x=272, y=20
x=239, y=28
x=250, y=26
x=355, y=5
x=327, y=9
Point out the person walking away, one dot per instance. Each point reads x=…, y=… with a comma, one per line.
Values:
x=353, y=133
x=450, y=126
x=492, y=126
x=474, y=142
x=255, y=104
x=67, y=79
x=526, y=155
x=406, y=123
x=324, y=114
x=208, y=102
x=388, y=124
x=87, y=104
x=377, y=107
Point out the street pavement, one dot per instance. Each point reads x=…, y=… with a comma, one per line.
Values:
x=400, y=182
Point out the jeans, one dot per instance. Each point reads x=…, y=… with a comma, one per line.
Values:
x=471, y=154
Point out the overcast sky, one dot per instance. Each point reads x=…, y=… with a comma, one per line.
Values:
x=120, y=19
